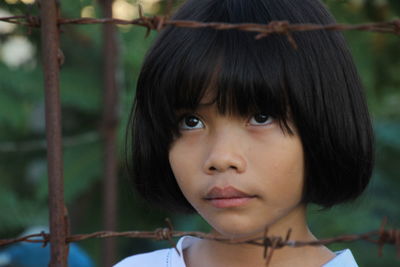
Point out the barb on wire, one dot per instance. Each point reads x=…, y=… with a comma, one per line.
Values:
x=169, y=235
x=24, y=20
x=34, y=238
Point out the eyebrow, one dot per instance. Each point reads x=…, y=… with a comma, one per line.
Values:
x=206, y=104
x=200, y=106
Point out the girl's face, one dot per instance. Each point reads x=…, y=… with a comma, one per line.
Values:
x=240, y=174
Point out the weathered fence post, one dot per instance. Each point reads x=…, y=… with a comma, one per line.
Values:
x=51, y=55
x=109, y=133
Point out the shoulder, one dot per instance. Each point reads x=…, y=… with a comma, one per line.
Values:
x=169, y=257
x=155, y=258
x=344, y=258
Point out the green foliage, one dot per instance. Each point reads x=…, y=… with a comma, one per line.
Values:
x=20, y=212
x=23, y=184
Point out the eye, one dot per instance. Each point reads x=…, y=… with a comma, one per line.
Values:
x=190, y=122
x=260, y=119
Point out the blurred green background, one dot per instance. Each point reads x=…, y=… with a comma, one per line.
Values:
x=23, y=182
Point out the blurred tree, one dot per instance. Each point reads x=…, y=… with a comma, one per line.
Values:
x=23, y=184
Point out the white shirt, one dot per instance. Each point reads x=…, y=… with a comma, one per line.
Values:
x=169, y=257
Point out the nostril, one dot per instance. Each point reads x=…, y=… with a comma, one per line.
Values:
x=212, y=168
x=224, y=162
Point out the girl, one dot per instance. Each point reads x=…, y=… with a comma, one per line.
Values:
x=248, y=132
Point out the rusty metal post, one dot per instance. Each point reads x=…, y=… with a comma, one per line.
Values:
x=109, y=133
x=49, y=14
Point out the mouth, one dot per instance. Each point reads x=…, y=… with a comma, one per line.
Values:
x=227, y=197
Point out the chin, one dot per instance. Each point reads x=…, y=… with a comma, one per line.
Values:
x=240, y=233
x=237, y=229
x=239, y=226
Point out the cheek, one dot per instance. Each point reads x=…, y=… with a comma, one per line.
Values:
x=281, y=166
x=184, y=161
x=177, y=162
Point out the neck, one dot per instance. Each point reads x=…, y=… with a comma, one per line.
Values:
x=214, y=253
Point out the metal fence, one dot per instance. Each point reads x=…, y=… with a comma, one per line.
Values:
x=49, y=23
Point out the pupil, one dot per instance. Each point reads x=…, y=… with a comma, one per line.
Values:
x=261, y=118
x=191, y=121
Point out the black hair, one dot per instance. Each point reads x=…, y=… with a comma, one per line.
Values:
x=315, y=85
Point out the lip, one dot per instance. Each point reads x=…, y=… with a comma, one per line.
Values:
x=227, y=197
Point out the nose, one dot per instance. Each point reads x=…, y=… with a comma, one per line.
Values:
x=225, y=154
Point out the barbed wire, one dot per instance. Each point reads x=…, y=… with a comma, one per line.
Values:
x=378, y=237
x=263, y=30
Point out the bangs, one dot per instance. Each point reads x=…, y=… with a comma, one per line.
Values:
x=238, y=73
x=238, y=83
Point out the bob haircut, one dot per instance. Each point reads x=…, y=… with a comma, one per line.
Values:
x=316, y=87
